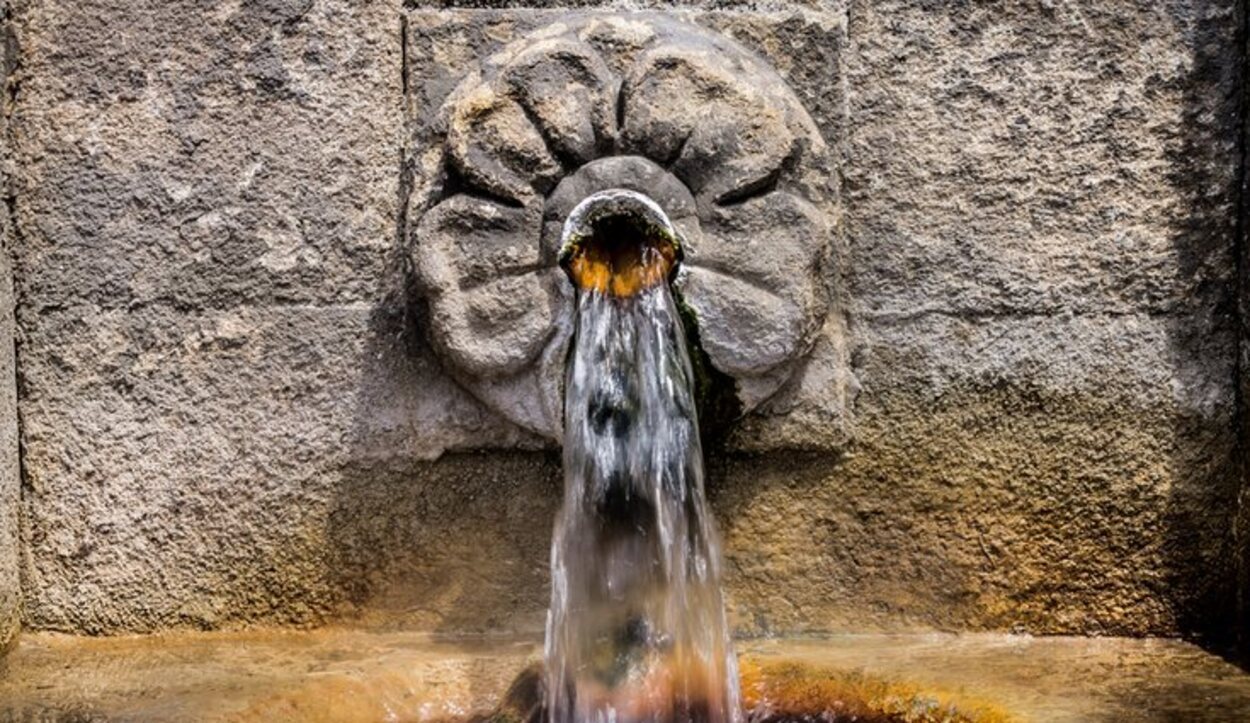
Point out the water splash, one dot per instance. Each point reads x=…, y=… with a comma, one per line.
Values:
x=636, y=629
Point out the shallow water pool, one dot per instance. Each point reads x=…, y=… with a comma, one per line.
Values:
x=355, y=675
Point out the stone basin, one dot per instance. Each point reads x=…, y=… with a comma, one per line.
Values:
x=359, y=675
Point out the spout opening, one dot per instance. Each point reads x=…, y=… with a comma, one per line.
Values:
x=619, y=243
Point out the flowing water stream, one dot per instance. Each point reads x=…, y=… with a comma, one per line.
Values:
x=636, y=630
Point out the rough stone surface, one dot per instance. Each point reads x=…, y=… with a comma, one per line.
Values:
x=1055, y=168
x=1241, y=533
x=10, y=479
x=10, y=467
x=206, y=206
x=586, y=102
x=10, y=464
x=229, y=405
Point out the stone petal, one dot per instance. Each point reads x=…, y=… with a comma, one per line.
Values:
x=490, y=306
x=493, y=143
x=775, y=241
x=569, y=93
x=745, y=329
x=466, y=241
x=698, y=112
x=753, y=279
x=495, y=329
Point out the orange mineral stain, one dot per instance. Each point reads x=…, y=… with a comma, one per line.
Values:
x=620, y=259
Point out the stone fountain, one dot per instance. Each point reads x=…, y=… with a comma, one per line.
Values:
x=284, y=333
x=698, y=124
x=619, y=146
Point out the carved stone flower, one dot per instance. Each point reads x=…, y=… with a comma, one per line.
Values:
x=688, y=118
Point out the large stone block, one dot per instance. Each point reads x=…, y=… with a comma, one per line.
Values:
x=1049, y=475
x=207, y=200
x=206, y=157
x=753, y=157
x=1042, y=157
x=206, y=469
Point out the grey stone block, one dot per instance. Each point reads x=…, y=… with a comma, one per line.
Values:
x=10, y=462
x=1041, y=474
x=10, y=465
x=509, y=104
x=1041, y=157
x=206, y=199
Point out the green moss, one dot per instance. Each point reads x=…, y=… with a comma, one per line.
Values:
x=715, y=393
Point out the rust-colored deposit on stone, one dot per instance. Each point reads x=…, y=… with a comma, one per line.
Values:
x=781, y=692
x=622, y=257
x=342, y=675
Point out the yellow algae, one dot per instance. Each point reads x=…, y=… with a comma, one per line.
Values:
x=786, y=691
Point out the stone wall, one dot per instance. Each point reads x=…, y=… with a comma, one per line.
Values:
x=207, y=200
x=1041, y=215
x=10, y=478
x=1242, y=528
x=10, y=465
x=231, y=413
x=10, y=468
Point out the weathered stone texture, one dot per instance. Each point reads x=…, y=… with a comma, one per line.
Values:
x=10, y=467
x=1241, y=533
x=1042, y=197
x=241, y=471
x=193, y=158
x=1008, y=477
x=228, y=397
x=1041, y=158
x=10, y=463
x=207, y=205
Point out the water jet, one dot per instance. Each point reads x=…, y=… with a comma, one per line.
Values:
x=637, y=629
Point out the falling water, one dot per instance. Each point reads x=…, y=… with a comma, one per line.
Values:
x=636, y=629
